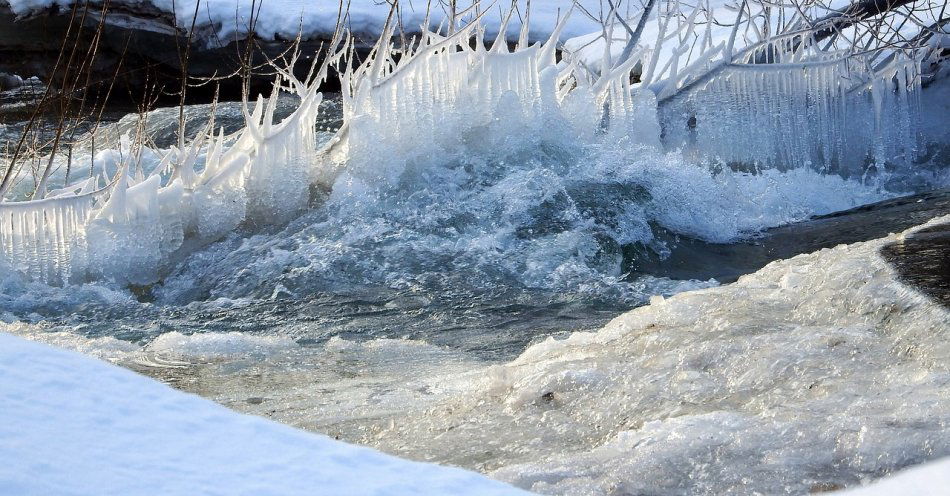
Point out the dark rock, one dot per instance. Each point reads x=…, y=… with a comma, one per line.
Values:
x=140, y=44
x=922, y=260
x=10, y=81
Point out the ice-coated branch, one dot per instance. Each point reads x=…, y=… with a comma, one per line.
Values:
x=637, y=32
x=856, y=12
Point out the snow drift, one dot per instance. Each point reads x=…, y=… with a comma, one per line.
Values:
x=74, y=425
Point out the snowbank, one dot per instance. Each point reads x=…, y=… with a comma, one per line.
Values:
x=74, y=425
x=931, y=479
x=285, y=18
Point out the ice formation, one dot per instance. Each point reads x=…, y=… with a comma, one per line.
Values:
x=128, y=231
x=43, y=239
x=824, y=109
x=780, y=103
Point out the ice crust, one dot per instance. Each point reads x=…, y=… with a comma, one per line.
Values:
x=217, y=345
x=820, y=371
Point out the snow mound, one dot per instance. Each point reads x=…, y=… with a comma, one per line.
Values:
x=931, y=479
x=72, y=425
x=283, y=19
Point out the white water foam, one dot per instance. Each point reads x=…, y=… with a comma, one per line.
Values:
x=537, y=217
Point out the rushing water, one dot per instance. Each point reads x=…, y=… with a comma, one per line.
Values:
x=482, y=253
x=378, y=300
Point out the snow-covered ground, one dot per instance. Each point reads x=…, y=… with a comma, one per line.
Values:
x=931, y=479
x=72, y=425
x=285, y=18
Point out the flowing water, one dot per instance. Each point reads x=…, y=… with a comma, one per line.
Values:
x=379, y=303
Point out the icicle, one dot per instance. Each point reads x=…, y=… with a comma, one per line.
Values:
x=38, y=238
x=787, y=114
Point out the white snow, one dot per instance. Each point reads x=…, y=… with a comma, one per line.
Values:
x=72, y=425
x=930, y=479
x=285, y=18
